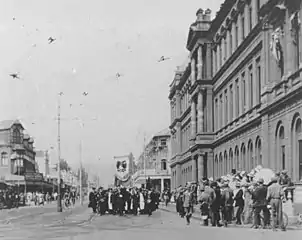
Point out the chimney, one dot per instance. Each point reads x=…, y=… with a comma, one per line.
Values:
x=199, y=15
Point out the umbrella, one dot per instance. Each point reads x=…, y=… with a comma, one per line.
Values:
x=266, y=174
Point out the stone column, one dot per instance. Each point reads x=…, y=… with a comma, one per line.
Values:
x=194, y=170
x=193, y=119
x=209, y=114
x=193, y=70
x=239, y=24
x=199, y=63
x=214, y=58
x=246, y=20
x=265, y=143
x=255, y=83
x=254, y=13
x=218, y=58
x=200, y=167
x=162, y=185
x=223, y=51
x=177, y=104
x=200, y=109
x=228, y=45
x=233, y=37
x=209, y=57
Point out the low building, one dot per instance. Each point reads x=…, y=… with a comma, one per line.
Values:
x=153, y=163
x=17, y=154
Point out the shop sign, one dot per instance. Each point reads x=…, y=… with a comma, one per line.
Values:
x=33, y=176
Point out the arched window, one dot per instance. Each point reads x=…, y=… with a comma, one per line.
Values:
x=280, y=147
x=16, y=136
x=163, y=164
x=226, y=164
x=220, y=166
x=231, y=159
x=216, y=167
x=250, y=161
x=4, y=159
x=258, y=147
x=237, y=160
x=296, y=148
x=243, y=158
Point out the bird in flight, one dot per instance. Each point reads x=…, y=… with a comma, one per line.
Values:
x=118, y=75
x=162, y=58
x=85, y=93
x=15, y=75
x=51, y=40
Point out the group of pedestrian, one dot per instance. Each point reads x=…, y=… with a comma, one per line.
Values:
x=241, y=199
x=121, y=201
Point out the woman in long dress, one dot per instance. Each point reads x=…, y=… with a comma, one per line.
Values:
x=110, y=207
x=141, y=201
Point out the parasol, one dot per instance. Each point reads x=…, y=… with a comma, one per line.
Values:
x=266, y=174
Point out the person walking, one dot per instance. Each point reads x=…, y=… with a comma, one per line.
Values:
x=187, y=204
x=238, y=203
x=274, y=198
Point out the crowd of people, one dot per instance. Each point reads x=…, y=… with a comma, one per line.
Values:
x=121, y=201
x=239, y=196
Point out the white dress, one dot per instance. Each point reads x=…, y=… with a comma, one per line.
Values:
x=109, y=202
x=141, y=201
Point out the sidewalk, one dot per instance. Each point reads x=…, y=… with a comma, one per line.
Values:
x=292, y=225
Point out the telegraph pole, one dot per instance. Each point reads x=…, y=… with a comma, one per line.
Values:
x=59, y=206
x=81, y=177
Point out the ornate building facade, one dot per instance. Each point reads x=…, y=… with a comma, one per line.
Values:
x=153, y=163
x=238, y=102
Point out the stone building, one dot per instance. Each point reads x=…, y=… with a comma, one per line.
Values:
x=238, y=102
x=153, y=162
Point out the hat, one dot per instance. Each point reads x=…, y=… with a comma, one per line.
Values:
x=274, y=179
x=238, y=184
x=260, y=180
x=284, y=172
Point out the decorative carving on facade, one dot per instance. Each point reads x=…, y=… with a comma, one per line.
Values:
x=276, y=47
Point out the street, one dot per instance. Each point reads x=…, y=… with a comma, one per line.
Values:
x=80, y=224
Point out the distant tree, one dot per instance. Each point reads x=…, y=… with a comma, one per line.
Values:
x=64, y=165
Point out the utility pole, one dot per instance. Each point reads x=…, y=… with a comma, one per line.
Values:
x=144, y=155
x=59, y=206
x=81, y=177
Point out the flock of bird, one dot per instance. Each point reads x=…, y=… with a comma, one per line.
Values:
x=51, y=40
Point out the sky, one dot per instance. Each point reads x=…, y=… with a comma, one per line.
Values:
x=95, y=40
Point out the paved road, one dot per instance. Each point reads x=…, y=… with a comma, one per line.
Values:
x=82, y=225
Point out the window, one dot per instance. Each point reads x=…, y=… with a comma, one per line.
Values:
x=231, y=103
x=226, y=120
x=16, y=136
x=237, y=98
x=231, y=43
x=221, y=107
x=216, y=114
x=164, y=164
x=257, y=8
x=251, y=87
x=243, y=90
x=4, y=159
x=250, y=18
x=220, y=56
x=225, y=50
x=236, y=36
x=242, y=27
x=258, y=82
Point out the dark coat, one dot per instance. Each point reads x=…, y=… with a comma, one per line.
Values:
x=92, y=200
x=259, y=196
x=239, y=201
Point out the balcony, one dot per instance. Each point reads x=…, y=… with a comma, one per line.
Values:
x=151, y=173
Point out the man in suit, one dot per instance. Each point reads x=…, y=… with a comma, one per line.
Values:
x=93, y=199
x=260, y=203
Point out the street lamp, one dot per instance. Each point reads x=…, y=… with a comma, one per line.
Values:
x=59, y=202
